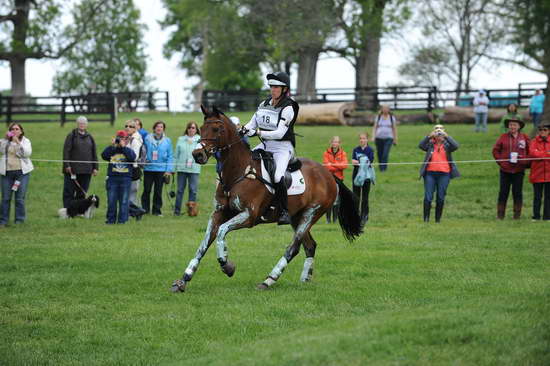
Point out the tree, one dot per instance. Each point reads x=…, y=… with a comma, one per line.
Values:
x=530, y=31
x=111, y=57
x=428, y=65
x=364, y=23
x=466, y=29
x=31, y=29
x=214, y=44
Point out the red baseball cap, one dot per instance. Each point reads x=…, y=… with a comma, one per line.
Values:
x=122, y=133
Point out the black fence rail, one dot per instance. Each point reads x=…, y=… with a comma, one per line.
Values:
x=398, y=98
x=139, y=101
x=96, y=107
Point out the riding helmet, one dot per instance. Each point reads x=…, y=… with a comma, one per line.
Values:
x=278, y=78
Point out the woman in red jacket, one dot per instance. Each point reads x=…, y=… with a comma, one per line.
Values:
x=336, y=161
x=539, y=148
x=509, y=150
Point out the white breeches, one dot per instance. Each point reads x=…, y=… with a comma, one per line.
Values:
x=282, y=153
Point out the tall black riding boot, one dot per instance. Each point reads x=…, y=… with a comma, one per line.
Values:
x=282, y=201
x=439, y=210
x=427, y=209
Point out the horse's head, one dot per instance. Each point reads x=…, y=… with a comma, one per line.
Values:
x=217, y=134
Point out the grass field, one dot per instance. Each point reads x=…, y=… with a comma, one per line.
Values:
x=468, y=291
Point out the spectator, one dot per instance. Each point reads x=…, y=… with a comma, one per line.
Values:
x=438, y=169
x=79, y=162
x=539, y=149
x=481, y=111
x=119, y=177
x=188, y=170
x=139, y=127
x=511, y=113
x=135, y=143
x=509, y=148
x=536, y=107
x=158, y=168
x=15, y=169
x=363, y=154
x=385, y=135
x=336, y=161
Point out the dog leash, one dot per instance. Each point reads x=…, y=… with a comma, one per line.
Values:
x=79, y=187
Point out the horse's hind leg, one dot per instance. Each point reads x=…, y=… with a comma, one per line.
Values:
x=309, y=248
x=301, y=228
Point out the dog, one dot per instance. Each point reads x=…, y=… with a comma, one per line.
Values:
x=84, y=207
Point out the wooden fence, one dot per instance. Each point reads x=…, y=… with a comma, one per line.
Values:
x=398, y=98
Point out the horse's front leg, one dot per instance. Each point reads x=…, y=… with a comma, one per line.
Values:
x=237, y=222
x=211, y=231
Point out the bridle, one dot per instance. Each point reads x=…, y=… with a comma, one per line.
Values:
x=214, y=149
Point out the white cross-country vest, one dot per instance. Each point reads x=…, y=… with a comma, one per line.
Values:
x=268, y=117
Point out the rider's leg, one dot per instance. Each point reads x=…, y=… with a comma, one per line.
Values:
x=281, y=162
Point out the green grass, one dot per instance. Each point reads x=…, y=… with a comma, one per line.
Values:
x=470, y=290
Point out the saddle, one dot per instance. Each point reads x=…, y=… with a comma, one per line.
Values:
x=293, y=165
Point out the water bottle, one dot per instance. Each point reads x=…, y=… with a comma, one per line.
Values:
x=15, y=186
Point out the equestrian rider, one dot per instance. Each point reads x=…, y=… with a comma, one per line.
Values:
x=273, y=123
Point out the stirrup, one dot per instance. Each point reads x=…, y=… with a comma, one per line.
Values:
x=284, y=218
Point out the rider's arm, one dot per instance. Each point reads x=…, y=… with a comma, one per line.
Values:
x=287, y=116
x=252, y=125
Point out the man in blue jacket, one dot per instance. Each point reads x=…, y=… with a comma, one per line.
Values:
x=119, y=177
x=536, y=107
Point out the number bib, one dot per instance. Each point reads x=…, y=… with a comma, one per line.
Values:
x=267, y=118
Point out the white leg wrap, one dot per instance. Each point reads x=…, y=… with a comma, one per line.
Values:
x=279, y=268
x=308, y=270
x=192, y=267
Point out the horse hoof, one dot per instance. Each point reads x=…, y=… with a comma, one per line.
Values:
x=229, y=268
x=178, y=286
x=262, y=286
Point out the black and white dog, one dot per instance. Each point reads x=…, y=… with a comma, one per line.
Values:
x=85, y=207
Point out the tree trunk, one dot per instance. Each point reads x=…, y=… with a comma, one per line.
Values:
x=307, y=72
x=18, y=85
x=367, y=72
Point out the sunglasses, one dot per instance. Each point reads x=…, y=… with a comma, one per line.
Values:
x=128, y=126
x=544, y=129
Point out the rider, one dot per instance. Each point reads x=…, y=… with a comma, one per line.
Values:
x=273, y=123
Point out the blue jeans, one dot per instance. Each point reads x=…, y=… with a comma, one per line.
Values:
x=436, y=181
x=536, y=117
x=383, y=147
x=7, y=182
x=481, y=122
x=193, y=179
x=118, y=191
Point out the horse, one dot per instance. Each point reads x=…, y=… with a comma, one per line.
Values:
x=242, y=200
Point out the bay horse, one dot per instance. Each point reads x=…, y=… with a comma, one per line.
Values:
x=243, y=201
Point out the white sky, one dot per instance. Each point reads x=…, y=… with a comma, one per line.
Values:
x=331, y=72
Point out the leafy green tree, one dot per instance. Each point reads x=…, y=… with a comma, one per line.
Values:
x=213, y=44
x=111, y=57
x=32, y=29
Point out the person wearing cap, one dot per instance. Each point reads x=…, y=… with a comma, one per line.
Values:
x=438, y=169
x=79, y=162
x=273, y=123
x=119, y=177
x=186, y=167
x=481, y=111
x=509, y=151
x=511, y=113
x=159, y=165
x=539, y=149
x=536, y=107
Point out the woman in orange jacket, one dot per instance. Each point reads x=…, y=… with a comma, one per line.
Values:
x=336, y=161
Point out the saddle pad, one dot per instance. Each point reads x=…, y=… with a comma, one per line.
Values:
x=298, y=185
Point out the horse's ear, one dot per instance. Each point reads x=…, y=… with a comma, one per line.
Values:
x=217, y=111
x=204, y=110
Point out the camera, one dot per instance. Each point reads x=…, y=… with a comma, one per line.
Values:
x=117, y=140
x=440, y=133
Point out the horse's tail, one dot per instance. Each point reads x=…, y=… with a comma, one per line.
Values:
x=348, y=216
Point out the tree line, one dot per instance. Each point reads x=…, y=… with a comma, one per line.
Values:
x=224, y=44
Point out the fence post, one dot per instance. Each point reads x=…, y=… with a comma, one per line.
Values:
x=167, y=101
x=150, y=103
x=63, y=115
x=113, y=104
x=394, y=98
x=8, y=114
x=435, y=96
x=519, y=95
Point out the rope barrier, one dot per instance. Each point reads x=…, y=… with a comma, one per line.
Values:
x=375, y=164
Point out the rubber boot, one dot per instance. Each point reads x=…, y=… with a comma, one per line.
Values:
x=427, y=209
x=439, y=210
x=501, y=210
x=282, y=201
x=517, y=210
